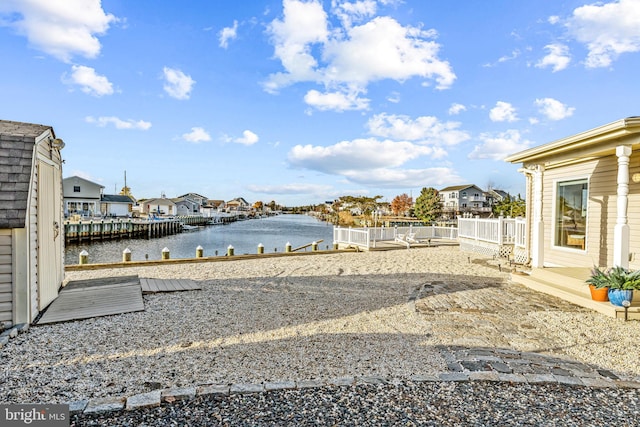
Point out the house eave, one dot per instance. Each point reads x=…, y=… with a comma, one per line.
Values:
x=600, y=140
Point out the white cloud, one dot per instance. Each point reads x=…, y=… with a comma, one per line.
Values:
x=373, y=163
x=554, y=19
x=383, y=49
x=248, y=138
x=500, y=145
x=456, y=109
x=177, y=84
x=423, y=130
x=607, y=30
x=90, y=82
x=558, y=57
x=503, y=112
x=554, y=109
x=360, y=154
x=119, y=123
x=394, y=97
x=357, y=11
x=337, y=101
x=294, y=188
x=405, y=178
x=197, y=135
x=59, y=28
x=228, y=33
x=347, y=59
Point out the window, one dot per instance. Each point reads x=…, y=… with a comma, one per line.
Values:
x=571, y=213
x=76, y=188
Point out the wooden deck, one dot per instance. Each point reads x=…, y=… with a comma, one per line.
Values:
x=84, y=299
x=94, y=298
x=150, y=286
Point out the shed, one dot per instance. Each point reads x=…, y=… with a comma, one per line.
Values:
x=31, y=216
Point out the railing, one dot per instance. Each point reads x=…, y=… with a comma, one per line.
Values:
x=368, y=237
x=501, y=231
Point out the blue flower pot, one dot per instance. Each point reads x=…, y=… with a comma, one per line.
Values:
x=616, y=296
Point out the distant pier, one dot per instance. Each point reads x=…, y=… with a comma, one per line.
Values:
x=105, y=229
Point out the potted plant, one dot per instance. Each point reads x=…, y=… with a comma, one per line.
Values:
x=598, y=285
x=619, y=281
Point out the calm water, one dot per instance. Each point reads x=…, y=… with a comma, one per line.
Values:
x=273, y=232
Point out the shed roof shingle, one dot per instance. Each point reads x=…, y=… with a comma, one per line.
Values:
x=16, y=158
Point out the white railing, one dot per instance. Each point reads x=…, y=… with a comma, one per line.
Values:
x=501, y=231
x=521, y=233
x=368, y=237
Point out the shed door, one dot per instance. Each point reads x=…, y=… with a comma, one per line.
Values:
x=49, y=233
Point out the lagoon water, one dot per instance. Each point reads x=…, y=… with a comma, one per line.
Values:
x=273, y=232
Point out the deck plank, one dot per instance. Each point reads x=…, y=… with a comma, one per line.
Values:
x=94, y=298
x=150, y=285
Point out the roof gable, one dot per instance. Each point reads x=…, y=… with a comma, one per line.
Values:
x=17, y=141
x=459, y=187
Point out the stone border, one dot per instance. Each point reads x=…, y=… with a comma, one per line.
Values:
x=12, y=332
x=155, y=398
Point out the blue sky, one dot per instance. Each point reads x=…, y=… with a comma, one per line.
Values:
x=305, y=101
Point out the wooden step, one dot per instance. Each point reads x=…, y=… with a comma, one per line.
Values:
x=566, y=288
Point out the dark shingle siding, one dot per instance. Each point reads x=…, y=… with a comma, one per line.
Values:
x=16, y=158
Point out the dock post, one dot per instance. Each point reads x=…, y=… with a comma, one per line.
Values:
x=314, y=246
x=335, y=246
x=126, y=255
x=165, y=254
x=84, y=257
x=287, y=247
x=199, y=252
x=260, y=248
x=230, y=251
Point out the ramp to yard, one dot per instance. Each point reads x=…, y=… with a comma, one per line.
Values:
x=84, y=299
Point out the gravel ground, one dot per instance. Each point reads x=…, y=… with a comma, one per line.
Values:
x=407, y=404
x=384, y=314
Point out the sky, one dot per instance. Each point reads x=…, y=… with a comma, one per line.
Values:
x=301, y=102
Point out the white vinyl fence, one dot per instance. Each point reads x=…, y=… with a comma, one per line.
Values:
x=369, y=237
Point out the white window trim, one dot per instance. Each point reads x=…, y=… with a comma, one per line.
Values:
x=554, y=229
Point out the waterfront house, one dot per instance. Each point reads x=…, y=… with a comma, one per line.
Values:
x=31, y=216
x=212, y=208
x=583, y=203
x=238, y=204
x=466, y=199
x=116, y=205
x=157, y=207
x=583, y=197
x=81, y=197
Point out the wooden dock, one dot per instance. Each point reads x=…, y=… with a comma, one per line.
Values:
x=83, y=231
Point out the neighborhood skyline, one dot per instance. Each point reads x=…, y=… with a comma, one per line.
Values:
x=306, y=101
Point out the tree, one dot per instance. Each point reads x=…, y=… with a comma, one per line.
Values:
x=428, y=205
x=510, y=206
x=365, y=204
x=401, y=204
x=258, y=205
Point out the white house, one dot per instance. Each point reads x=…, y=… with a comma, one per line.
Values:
x=116, y=205
x=159, y=206
x=81, y=196
x=31, y=217
x=461, y=199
